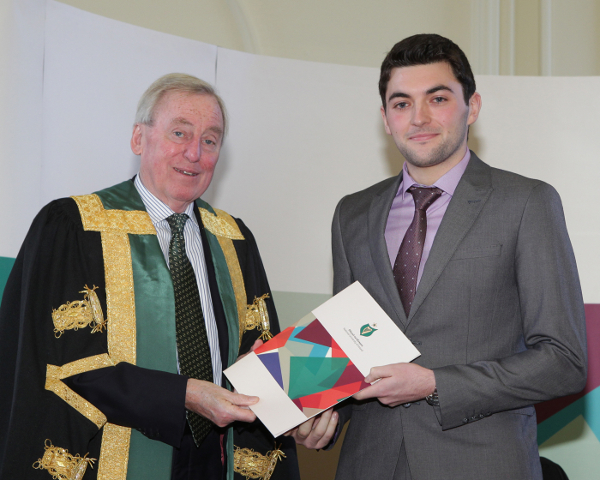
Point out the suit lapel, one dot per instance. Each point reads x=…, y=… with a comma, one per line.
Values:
x=377, y=220
x=470, y=196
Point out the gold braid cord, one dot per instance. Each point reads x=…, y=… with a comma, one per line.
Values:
x=254, y=465
x=61, y=464
x=114, y=227
x=79, y=314
x=257, y=316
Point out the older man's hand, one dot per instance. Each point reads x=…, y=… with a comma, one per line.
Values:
x=316, y=432
x=219, y=405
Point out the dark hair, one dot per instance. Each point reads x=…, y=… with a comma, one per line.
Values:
x=423, y=49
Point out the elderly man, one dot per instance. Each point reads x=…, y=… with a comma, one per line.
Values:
x=475, y=265
x=123, y=309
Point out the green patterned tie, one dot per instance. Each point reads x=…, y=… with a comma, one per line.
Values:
x=192, y=341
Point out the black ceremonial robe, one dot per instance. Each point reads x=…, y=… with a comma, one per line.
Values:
x=89, y=308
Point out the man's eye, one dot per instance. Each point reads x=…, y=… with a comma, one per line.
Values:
x=439, y=99
x=178, y=134
x=210, y=142
x=401, y=105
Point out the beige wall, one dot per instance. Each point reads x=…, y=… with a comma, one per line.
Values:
x=520, y=37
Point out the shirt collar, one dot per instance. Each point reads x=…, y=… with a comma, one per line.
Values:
x=157, y=209
x=447, y=182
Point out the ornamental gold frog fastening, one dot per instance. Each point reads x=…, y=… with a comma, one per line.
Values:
x=61, y=464
x=257, y=316
x=79, y=314
x=254, y=465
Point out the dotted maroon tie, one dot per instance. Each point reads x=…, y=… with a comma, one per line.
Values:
x=406, y=267
x=192, y=341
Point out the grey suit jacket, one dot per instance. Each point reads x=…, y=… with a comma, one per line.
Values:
x=498, y=315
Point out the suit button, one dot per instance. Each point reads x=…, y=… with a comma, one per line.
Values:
x=406, y=405
x=465, y=420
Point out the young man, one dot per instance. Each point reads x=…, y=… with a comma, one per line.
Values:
x=475, y=266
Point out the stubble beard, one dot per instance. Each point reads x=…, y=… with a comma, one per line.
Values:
x=439, y=154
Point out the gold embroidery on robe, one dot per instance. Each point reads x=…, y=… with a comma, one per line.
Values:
x=221, y=225
x=79, y=314
x=115, y=227
x=254, y=465
x=257, y=316
x=96, y=219
x=55, y=375
x=61, y=464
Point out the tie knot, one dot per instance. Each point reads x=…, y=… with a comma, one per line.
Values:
x=177, y=222
x=424, y=196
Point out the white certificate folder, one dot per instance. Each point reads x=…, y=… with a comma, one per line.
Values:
x=320, y=360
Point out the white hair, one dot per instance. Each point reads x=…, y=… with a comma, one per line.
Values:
x=179, y=82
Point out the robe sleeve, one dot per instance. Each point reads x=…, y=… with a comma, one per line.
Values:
x=56, y=261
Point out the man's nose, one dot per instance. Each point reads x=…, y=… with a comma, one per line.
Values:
x=421, y=115
x=193, y=151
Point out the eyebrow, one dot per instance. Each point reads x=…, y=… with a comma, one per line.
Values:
x=398, y=95
x=217, y=130
x=437, y=88
x=180, y=121
x=183, y=121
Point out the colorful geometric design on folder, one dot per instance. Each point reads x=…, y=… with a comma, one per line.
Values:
x=310, y=366
x=271, y=361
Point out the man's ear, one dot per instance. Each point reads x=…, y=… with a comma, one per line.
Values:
x=136, y=139
x=385, y=123
x=474, y=108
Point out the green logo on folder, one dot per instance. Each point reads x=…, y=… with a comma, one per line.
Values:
x=368, y=330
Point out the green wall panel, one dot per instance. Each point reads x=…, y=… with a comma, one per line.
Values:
x=6, y=265
x=292, y=306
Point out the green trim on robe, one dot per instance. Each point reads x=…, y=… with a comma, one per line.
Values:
x=225, y=289
x=155, y=324
x=155, y=327
x=231, y=314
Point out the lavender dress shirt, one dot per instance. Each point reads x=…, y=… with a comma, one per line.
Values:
x=403, y=210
